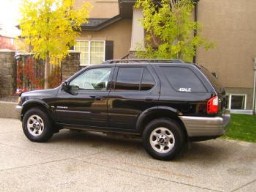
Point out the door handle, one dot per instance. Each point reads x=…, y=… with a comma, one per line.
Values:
x=148, y=99
x=96, y=97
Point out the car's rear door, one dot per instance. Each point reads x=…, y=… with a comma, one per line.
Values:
x=134, y=90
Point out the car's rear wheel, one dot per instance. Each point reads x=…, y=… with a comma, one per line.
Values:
x=163, y=139
x=37, y=125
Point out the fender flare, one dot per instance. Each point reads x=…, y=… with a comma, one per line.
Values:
x=35, y=102
x=149, y=111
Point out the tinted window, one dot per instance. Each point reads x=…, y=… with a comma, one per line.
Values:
x=183, y=79
x=93, y=79
x=134, y=78
x=214, y=81
x=128, y=78
x=147, y=81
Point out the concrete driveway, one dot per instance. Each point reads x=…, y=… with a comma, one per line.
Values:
x=73, y=161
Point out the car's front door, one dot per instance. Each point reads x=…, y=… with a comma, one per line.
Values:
x=87, y=106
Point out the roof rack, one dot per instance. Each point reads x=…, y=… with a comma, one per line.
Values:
x=143, y=61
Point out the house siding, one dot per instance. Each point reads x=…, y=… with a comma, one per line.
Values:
x=231, y=26
x=119, y=33
x=101, y=8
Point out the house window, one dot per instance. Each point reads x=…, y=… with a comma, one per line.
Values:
x=91, y=52
x=237, y=101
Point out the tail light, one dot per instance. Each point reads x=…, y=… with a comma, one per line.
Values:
x=213, y=105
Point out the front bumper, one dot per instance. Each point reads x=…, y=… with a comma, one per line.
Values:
x=18, y=111
x=206, y=126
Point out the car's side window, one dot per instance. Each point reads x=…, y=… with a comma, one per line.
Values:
x=148, y=81
x=128, y=78
x=133, y=78
x=183, y=79
x=93, y=79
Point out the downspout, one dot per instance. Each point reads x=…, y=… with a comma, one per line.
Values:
x=254, y=86
x=195, y=31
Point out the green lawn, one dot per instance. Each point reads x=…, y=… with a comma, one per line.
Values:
x=242, y=127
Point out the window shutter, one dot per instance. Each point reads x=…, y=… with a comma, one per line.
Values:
x=109, y=50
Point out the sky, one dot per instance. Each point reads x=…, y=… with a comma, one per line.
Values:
x=9, y=16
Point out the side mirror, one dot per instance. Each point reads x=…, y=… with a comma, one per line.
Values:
x=65, y=86
x=71, y=89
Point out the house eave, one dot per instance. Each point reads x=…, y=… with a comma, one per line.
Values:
x=97, y=24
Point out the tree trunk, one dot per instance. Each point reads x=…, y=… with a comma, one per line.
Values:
x=46, y=72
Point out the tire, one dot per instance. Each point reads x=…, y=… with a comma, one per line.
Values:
x=37, y=126
x=163, y=139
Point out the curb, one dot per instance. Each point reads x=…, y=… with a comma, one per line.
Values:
x=8, y=110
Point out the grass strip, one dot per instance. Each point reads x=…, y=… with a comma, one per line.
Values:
x=242, y=127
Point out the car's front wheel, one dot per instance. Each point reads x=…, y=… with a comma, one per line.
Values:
x=163, y=139
x=37, y=126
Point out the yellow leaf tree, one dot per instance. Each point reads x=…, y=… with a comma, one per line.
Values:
x=169, y=27
x=50, y=28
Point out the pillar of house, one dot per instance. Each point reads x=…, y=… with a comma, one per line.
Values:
x=70, y=65
x=8, y=73
x=137, y=38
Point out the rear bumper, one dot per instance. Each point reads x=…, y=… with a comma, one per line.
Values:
x=206, y=126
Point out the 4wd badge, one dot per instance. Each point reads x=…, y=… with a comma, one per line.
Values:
x=185, y=89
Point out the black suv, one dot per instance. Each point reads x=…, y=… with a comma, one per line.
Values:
x=166, y=102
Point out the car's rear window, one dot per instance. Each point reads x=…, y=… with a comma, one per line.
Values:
x=183, y=79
